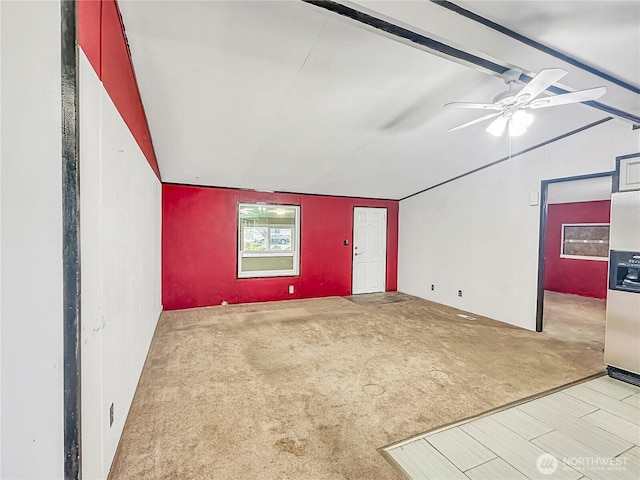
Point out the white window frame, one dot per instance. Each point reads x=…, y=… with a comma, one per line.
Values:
x=295, y=240
x=581, y=257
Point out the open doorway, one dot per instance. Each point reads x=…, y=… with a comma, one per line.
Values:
x=572, y=269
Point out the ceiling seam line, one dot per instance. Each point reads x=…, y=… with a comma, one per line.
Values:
x=313, y=45
x=286, y=97
x=430, y=43
x=534, y=44
x=517, y=154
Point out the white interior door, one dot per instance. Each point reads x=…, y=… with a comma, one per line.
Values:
x=369, y=249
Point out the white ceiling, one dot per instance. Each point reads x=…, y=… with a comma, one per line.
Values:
x=286, y=96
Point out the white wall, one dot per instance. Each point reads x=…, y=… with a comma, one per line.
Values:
x=31, y=242
x=585, y=190
x=479, y=234
x=121, y=261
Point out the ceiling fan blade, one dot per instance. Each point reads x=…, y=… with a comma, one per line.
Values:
x=565, y=98
x=473, y=122
x=538, y=84
x=481, y=106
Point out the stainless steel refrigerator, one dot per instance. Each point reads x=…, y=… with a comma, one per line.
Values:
x=622, y=342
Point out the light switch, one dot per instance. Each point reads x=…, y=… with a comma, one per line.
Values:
x=533, y=199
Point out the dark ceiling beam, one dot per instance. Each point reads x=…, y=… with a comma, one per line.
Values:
x=537, y=45
x=404, y=34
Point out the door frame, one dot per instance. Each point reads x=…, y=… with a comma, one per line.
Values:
x=386, y=239
x=544, y=190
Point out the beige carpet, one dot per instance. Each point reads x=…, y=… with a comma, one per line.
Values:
x=309, y=389
x=572, y=316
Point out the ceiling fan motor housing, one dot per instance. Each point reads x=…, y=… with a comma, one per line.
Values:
x=512, y=75
x=508, y=97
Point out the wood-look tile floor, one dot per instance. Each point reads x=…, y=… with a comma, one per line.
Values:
x=587, y=431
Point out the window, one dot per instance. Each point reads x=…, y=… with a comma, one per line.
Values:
x=268, y=240
x=587, y=241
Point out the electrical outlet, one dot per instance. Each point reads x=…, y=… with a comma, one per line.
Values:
x=433, y=287
x=111, y=415
x=459, y=293
x=291, y=289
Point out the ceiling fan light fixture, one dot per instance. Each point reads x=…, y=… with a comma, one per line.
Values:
x=496, y=127
x=516, y=130
x=522, y=119
x=519, y=122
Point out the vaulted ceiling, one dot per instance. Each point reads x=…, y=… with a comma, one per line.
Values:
x=309, y=97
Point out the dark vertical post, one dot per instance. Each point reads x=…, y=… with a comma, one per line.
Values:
x=70, y=241
x=541, y=253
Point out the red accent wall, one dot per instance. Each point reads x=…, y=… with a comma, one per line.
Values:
x=102, y=39
x=199, y=247
x=567, y=275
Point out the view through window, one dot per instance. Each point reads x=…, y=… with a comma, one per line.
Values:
x=268, y=240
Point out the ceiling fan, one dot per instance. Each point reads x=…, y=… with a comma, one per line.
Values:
x=513, y=103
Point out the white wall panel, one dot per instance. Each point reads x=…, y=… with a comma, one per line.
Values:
x=121, y=261
x=479, y=234
x=586, y=190
x=31, y=245
x=94, y=419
